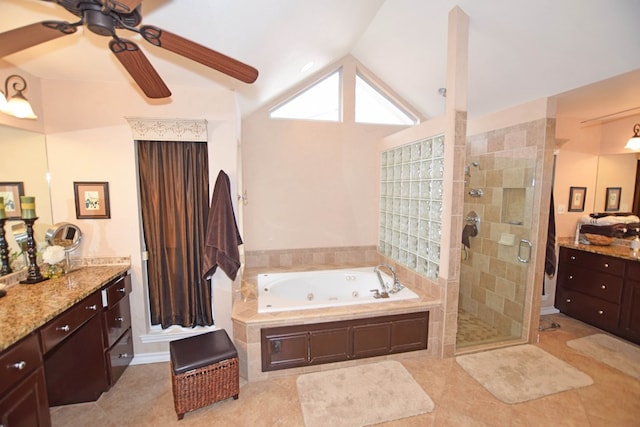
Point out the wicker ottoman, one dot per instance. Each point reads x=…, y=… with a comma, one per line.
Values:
x=204, y=370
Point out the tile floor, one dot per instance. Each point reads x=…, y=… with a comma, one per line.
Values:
x=473, y=331
x=143, y=397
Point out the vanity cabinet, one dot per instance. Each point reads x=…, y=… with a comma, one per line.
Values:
x=313, y=344
x=23, y=393
x=88, y=347
x=117, y=327
x=601, y=290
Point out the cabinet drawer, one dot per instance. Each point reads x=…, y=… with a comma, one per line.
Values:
x=120, y=356
x=602, y=263
x=65, y=324
x=594, y=311
x=117, y=320
x=594, y=283
x=116, y=291
x=18, y=361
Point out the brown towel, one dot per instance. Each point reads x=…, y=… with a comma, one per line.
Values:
x=222, y=236
x=615, y=230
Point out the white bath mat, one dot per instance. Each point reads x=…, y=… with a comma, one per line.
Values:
x=361, y=395
x=616, y=353
x=520, y=373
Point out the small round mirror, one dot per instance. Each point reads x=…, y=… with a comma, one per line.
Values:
x=64, y=234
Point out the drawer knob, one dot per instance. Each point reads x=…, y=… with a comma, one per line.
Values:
x=92, y=307
x=122, y=290
x=606, y=265
x=603, y=286
x=570, y=277
x=600, y=312
x=123, y=355
x=19, y=366
x=64, y=328
x=568, y=299
x=120, y=319
x=573, y=257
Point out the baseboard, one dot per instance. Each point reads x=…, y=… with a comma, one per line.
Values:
x=548, y=310
x=145, y=358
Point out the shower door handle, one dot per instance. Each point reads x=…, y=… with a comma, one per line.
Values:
x=527, y=244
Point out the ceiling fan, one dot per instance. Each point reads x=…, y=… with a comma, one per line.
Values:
x=104, y=17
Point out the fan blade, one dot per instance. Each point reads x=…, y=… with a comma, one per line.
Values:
x=139, y=67
x=121, y=6
x=21, y=38
x=199, y=53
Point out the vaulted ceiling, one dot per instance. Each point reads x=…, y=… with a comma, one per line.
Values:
x=520, y=50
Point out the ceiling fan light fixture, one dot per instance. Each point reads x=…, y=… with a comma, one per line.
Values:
x=16, y=105
x=634, y=141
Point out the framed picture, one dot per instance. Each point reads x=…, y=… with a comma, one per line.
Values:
x=11, y=192
x=92, y=200
x=612, y=202
x=577, y=196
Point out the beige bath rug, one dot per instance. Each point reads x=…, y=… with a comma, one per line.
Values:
x=520, y=373
x=361, y=395
x=616, y=353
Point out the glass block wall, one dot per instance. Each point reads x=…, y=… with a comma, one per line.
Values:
x=411, y=186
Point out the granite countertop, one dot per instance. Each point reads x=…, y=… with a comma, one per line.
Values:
x=619, y=251
x=25, y=308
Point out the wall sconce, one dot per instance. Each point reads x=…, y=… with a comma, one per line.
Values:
x=634, y=142
x=16, y=105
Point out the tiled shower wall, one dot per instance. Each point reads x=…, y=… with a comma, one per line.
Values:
x=411, y=190
x=493, y=282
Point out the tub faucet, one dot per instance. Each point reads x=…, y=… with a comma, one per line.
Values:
x=396, y=283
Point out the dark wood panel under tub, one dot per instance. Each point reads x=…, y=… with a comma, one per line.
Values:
x=313, y=344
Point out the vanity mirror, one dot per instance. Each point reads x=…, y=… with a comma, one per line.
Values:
x=616, y=171
x=24, y=160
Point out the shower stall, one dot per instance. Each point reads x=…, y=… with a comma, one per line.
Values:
x=502, y=214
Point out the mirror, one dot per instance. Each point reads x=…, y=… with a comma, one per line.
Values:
x=64, y=234
x=24, y=159
x=616, y=171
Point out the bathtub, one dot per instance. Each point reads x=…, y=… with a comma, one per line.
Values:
x=320, y=289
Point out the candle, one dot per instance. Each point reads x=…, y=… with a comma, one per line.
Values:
x=3, y=214
x=28, y=206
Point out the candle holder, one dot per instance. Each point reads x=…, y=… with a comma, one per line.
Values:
x=4, y=251
x=33, y=271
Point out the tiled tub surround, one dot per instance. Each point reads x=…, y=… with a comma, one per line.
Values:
x=25, y=308
x=411, y=197
x=247, y=322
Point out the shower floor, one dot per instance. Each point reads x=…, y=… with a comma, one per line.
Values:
x=473, y=331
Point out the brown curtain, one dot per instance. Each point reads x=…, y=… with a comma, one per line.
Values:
x=174, y=192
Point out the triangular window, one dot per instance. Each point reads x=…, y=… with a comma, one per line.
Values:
x=373, y=106
x=318, y=102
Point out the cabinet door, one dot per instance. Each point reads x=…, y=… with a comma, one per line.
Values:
x=371, y=340
x=281, y=351
x=409, y=334
x=26, y=404
x=76, y=369
x=329, y=345
x=630, y=322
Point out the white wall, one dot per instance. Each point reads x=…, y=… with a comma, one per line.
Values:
x=311, y=184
